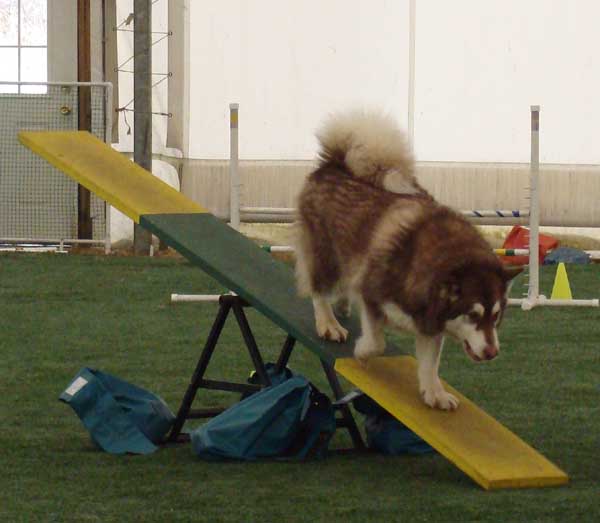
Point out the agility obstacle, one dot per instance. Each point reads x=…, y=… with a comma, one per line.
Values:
x=500, y=252
x=489, y=453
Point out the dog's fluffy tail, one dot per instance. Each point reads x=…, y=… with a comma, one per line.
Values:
x=370, y=146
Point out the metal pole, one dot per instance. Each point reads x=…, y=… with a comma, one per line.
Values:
x=234, y=175
x=142, y=92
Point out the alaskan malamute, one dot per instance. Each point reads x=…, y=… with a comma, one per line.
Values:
x=370, y=234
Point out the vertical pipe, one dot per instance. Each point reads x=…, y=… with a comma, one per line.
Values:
x=534, y=216
x=412, y=27
x=142, y=93
x=108, y=108
x=234, y=175
x=84, y=74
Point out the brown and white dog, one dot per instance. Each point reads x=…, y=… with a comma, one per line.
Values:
x=369, y=234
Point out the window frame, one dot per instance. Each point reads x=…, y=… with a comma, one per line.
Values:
x=18, y=83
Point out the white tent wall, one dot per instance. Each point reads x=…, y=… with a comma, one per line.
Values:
x=288, y=64
x=479, y=66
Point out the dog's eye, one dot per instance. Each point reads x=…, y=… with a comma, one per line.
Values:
x=496, y=317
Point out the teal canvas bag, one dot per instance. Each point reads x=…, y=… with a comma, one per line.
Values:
x=289, y=420
x=120, y=417
x=385, y=434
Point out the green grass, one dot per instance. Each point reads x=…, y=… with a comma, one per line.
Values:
x=59, y=313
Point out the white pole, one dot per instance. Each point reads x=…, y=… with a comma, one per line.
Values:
x=234, y=175
x=534, y=213
x=202, y=298
x=195, y=297
x=412, y=27
x=108, y=139
x=556, y=302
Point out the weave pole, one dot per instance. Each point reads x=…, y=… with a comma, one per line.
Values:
x=534, y=298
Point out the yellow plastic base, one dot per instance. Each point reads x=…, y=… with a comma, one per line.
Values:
x=107, y=173
x=474, y=441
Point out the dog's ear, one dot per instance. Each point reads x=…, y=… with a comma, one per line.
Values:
x=509, y=274
x=441, y=299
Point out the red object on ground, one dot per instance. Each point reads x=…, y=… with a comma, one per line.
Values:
x=518, y=238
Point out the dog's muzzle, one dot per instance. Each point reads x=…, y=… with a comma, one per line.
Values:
x=489, y=353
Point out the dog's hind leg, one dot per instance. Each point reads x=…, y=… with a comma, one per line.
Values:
x=428, y=352
x=372, y=340
x=303, y=268
x=327, y=325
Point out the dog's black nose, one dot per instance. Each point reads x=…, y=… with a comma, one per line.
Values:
x=490, y=352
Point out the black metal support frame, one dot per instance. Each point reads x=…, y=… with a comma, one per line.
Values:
x=228, y=303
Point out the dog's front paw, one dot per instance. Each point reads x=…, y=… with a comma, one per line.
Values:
x=331, y=330
x=437, y=398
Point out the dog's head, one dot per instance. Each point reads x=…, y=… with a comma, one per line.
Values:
x=469, y=305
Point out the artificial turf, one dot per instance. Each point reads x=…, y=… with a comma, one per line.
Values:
x=59, y=313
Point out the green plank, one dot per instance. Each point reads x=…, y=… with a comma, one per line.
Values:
x=243, y=267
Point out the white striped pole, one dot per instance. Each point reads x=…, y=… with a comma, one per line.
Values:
x=500, y=252
x=203, y=298
x=234, y=175
x=469, y=213
x=533, y=291
x=495, y=213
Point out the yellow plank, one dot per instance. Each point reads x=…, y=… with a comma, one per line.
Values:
x=474, y=441
x=107, y=173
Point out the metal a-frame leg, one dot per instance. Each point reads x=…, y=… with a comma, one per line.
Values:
x=227, y=303
x=347, y=420
x=185, y=412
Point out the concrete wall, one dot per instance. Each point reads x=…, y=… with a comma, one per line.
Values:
x=569, y=194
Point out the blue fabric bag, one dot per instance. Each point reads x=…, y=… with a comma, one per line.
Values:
x=120, y=417
x=385, y=433
x=567, y=255
x=290, y=419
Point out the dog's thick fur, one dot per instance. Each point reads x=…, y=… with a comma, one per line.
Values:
x=370, y=234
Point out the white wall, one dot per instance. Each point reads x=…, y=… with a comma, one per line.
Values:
x=479, y=66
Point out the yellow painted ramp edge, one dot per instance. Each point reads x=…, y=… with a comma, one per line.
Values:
x=107, y=173
x=474, y=441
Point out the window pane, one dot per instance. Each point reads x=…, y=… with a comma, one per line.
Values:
x=9, y=88
x=33, y=22
x=9, y=20
x=9, y=64
x=33, y=65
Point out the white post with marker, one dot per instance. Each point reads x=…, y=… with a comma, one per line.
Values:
x=234, y=175
x=534, y=213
